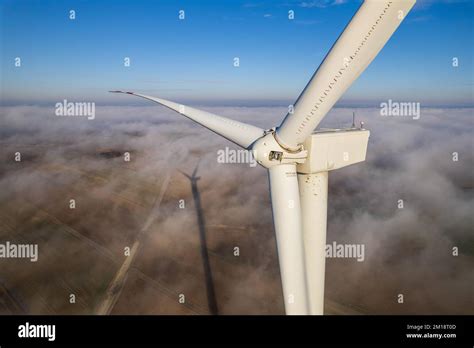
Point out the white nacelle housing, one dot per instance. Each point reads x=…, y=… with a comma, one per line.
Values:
x=334, y=149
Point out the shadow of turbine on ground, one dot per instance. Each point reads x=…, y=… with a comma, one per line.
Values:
x=210, y=291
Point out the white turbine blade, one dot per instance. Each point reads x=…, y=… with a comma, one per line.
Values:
x=287, y=219
x=314, y=205
x=240, y=133
x=365, y=35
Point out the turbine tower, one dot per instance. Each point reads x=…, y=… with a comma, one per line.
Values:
x=298, y=158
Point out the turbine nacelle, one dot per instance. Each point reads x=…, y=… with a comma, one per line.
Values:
x=331, y=149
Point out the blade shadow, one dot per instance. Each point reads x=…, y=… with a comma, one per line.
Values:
x=210, y=291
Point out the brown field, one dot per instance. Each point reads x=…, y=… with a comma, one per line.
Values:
x=82, y=249
x=135, y=205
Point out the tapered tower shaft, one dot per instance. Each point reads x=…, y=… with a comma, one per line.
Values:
x=314, y=202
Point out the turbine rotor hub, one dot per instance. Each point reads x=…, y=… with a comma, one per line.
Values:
x=268, y=152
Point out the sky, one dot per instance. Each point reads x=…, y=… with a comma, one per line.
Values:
x=192, y=60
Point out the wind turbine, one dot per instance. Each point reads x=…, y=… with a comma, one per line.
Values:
x=299, y=159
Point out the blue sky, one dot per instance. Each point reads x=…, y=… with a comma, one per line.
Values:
x=191, y=60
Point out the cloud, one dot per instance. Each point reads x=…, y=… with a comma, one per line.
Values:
x=426, y=4
x=253, y=4
x=321, y=3
x=408, y=250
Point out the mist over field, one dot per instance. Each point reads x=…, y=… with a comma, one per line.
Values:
x=408, y=251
